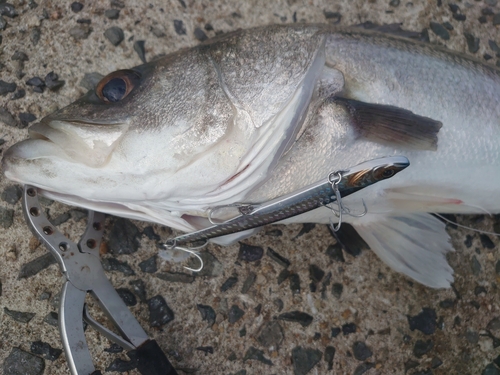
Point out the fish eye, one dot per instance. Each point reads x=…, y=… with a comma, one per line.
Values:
x=117, y=85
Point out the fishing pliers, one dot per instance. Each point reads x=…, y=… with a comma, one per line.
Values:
x=84, y=274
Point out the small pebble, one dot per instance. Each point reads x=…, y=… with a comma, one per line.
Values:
x=332, y=17
x=349, y=328
x=394, y=3
x=112, y=264
x=112, y=14
x=250, y=253
x=479, y=290
x=440, y=30
x=294, y=283
x=211, y=265
x=256, y=354
x=114, y=348
x=487, y=12
x=235, y=314
x=361, y=351
x=200, y=34
x=183, y=3
x=127, y=296
x=7, y=118
x=53, y=82
x=20, y=93
x=315, y=273
x=337, y=290
x=459, y=17
x=281, y=260
x=422, y=347
x=493, y=324
x=76, y=6
x=3, y=23
x=425, y=321
x=80, y=32
x=159, y=312
x=329, y=356
x=279, y=304
x=124, y=237
x=149, y=265
x=119, y=365
x=19, y=316
x=436, y=362
x=139, y=289
x=175, y=277
x=6, y=217
x=85, y=21
x=248, y=283
x=115, y=35
x=52, y=318
x=19, y=56
x=486, y=241
x=45, y=350
x=6, y=87
x=448, y=26
x=447, y=303
x=207, y=313
x=304, y=319
x=270, y=334
x=25, y=118
x=117, y=3
x=229, y=283
x=37, y=83
x=20, y=362
x=304, y=359
x=496, y=19
x=476, y=266
x=206, y=349
x=362, y=368
x=35, y=35
x=482, y=19
x=472, y=336
x=306, y=228
x=209, y=27
x=139, y=48
x=335, y=331
x=158, y=31
x=491, y=2
x=179, y=27
x=335, y=253
x=8, y=10
x=454, y=8
x=472, y=42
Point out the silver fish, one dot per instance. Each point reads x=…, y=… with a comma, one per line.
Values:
x=260, y=113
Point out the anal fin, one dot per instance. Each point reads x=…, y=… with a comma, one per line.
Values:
x=414, y=244
x=392, y=125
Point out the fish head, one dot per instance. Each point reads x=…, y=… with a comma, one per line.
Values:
x=171, y=137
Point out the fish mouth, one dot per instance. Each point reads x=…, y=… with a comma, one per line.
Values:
x=77, y=141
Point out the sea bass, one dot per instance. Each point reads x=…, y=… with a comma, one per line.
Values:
x=259, y=113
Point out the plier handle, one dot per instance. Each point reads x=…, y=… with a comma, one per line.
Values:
x=84, y=274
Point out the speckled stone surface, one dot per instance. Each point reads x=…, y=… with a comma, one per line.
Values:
x=344, y=314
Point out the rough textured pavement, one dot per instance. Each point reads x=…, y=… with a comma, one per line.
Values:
x=286, y=301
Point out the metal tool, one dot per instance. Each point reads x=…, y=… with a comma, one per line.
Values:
x=337, y=185
x=84, y=274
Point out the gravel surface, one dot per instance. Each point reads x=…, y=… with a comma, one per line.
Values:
x=289, y=300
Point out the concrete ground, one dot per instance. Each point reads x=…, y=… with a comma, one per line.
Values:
x=362, y=317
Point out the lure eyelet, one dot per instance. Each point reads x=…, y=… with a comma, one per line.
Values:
x=117, y=86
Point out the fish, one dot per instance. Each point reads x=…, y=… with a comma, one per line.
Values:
x=256, y=114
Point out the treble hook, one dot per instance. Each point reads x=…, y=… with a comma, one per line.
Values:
x=342, y=210
x=171, y=245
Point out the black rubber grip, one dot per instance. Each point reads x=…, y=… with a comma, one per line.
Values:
x=152, y=361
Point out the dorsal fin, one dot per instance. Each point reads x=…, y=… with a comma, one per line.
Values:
x=392, y=125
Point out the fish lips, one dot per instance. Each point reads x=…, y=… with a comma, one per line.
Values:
x=87, y=143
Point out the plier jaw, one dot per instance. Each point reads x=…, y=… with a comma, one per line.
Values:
x=84, y=274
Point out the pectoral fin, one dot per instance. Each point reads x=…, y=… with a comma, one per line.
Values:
x=413, y=244
x=392, y=125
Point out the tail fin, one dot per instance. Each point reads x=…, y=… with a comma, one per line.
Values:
x=413, y=244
